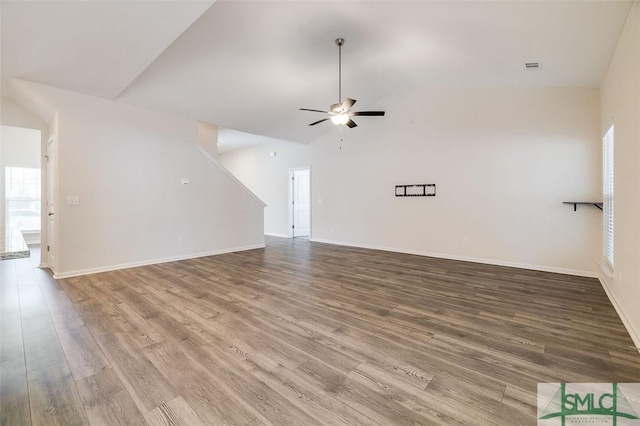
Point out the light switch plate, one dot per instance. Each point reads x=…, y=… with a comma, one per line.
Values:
x=184, y=181
x=73, y=200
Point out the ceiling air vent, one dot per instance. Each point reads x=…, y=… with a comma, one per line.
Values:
x=532, y=65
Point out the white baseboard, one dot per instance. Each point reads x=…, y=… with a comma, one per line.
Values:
x=565, y=271
x=633, y=333
x=635, y=336
x=277, y=235
x=70, y=274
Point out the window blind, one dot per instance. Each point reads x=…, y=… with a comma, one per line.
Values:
x=22, y=198
x=607, y=192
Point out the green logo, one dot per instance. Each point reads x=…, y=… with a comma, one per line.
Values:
x=588, y=403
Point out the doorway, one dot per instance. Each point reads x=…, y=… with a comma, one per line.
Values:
x=300, y=197
x=20, y=185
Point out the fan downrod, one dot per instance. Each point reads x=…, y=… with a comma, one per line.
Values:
x=339, y=42
x=340, y=112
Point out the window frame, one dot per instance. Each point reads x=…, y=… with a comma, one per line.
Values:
x=608, y=196
x=12, y=200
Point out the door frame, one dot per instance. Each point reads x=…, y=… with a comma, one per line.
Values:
x=49, y=192
x=290, y=200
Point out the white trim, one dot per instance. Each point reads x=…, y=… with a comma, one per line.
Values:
x=565, y=271
x=608, y=196
x=605, y=268
x=635, y=335
x=277, y=235
x=51, y=173
x=153, y=262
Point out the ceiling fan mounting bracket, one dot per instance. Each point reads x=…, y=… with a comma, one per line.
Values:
x=339, y=41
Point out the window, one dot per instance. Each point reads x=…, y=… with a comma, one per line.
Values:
x=22, y=198
x=607, y=194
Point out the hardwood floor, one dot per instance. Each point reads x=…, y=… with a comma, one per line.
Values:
x=300, y=333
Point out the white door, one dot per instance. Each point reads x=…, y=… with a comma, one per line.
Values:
x=51, y=223
x=301, y=203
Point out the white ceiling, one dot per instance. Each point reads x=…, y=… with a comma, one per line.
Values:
x=92, y=47
x=230, y=140
x=249, y=65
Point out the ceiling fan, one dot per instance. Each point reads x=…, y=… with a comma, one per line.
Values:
x=340, y=113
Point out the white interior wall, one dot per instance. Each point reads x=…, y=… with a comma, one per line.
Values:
x=621, y=105
x=268, y=177
x=13, y=114
x=503, y=159
x=208, y=139
x=20, y=146
x=126, y=164
x=208, y=145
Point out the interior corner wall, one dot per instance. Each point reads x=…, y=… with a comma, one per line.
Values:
x=208, y=139
x=13, y=114
x=268, y=177
x=503, y=160
x=620, y=94
x=127, y=164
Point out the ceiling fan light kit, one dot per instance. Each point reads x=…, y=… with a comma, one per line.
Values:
x=339, y=119
x=340, y=113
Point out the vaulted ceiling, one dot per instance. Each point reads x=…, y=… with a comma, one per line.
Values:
x=249, y=65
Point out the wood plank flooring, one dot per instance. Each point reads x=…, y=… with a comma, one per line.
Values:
x=300, y=333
